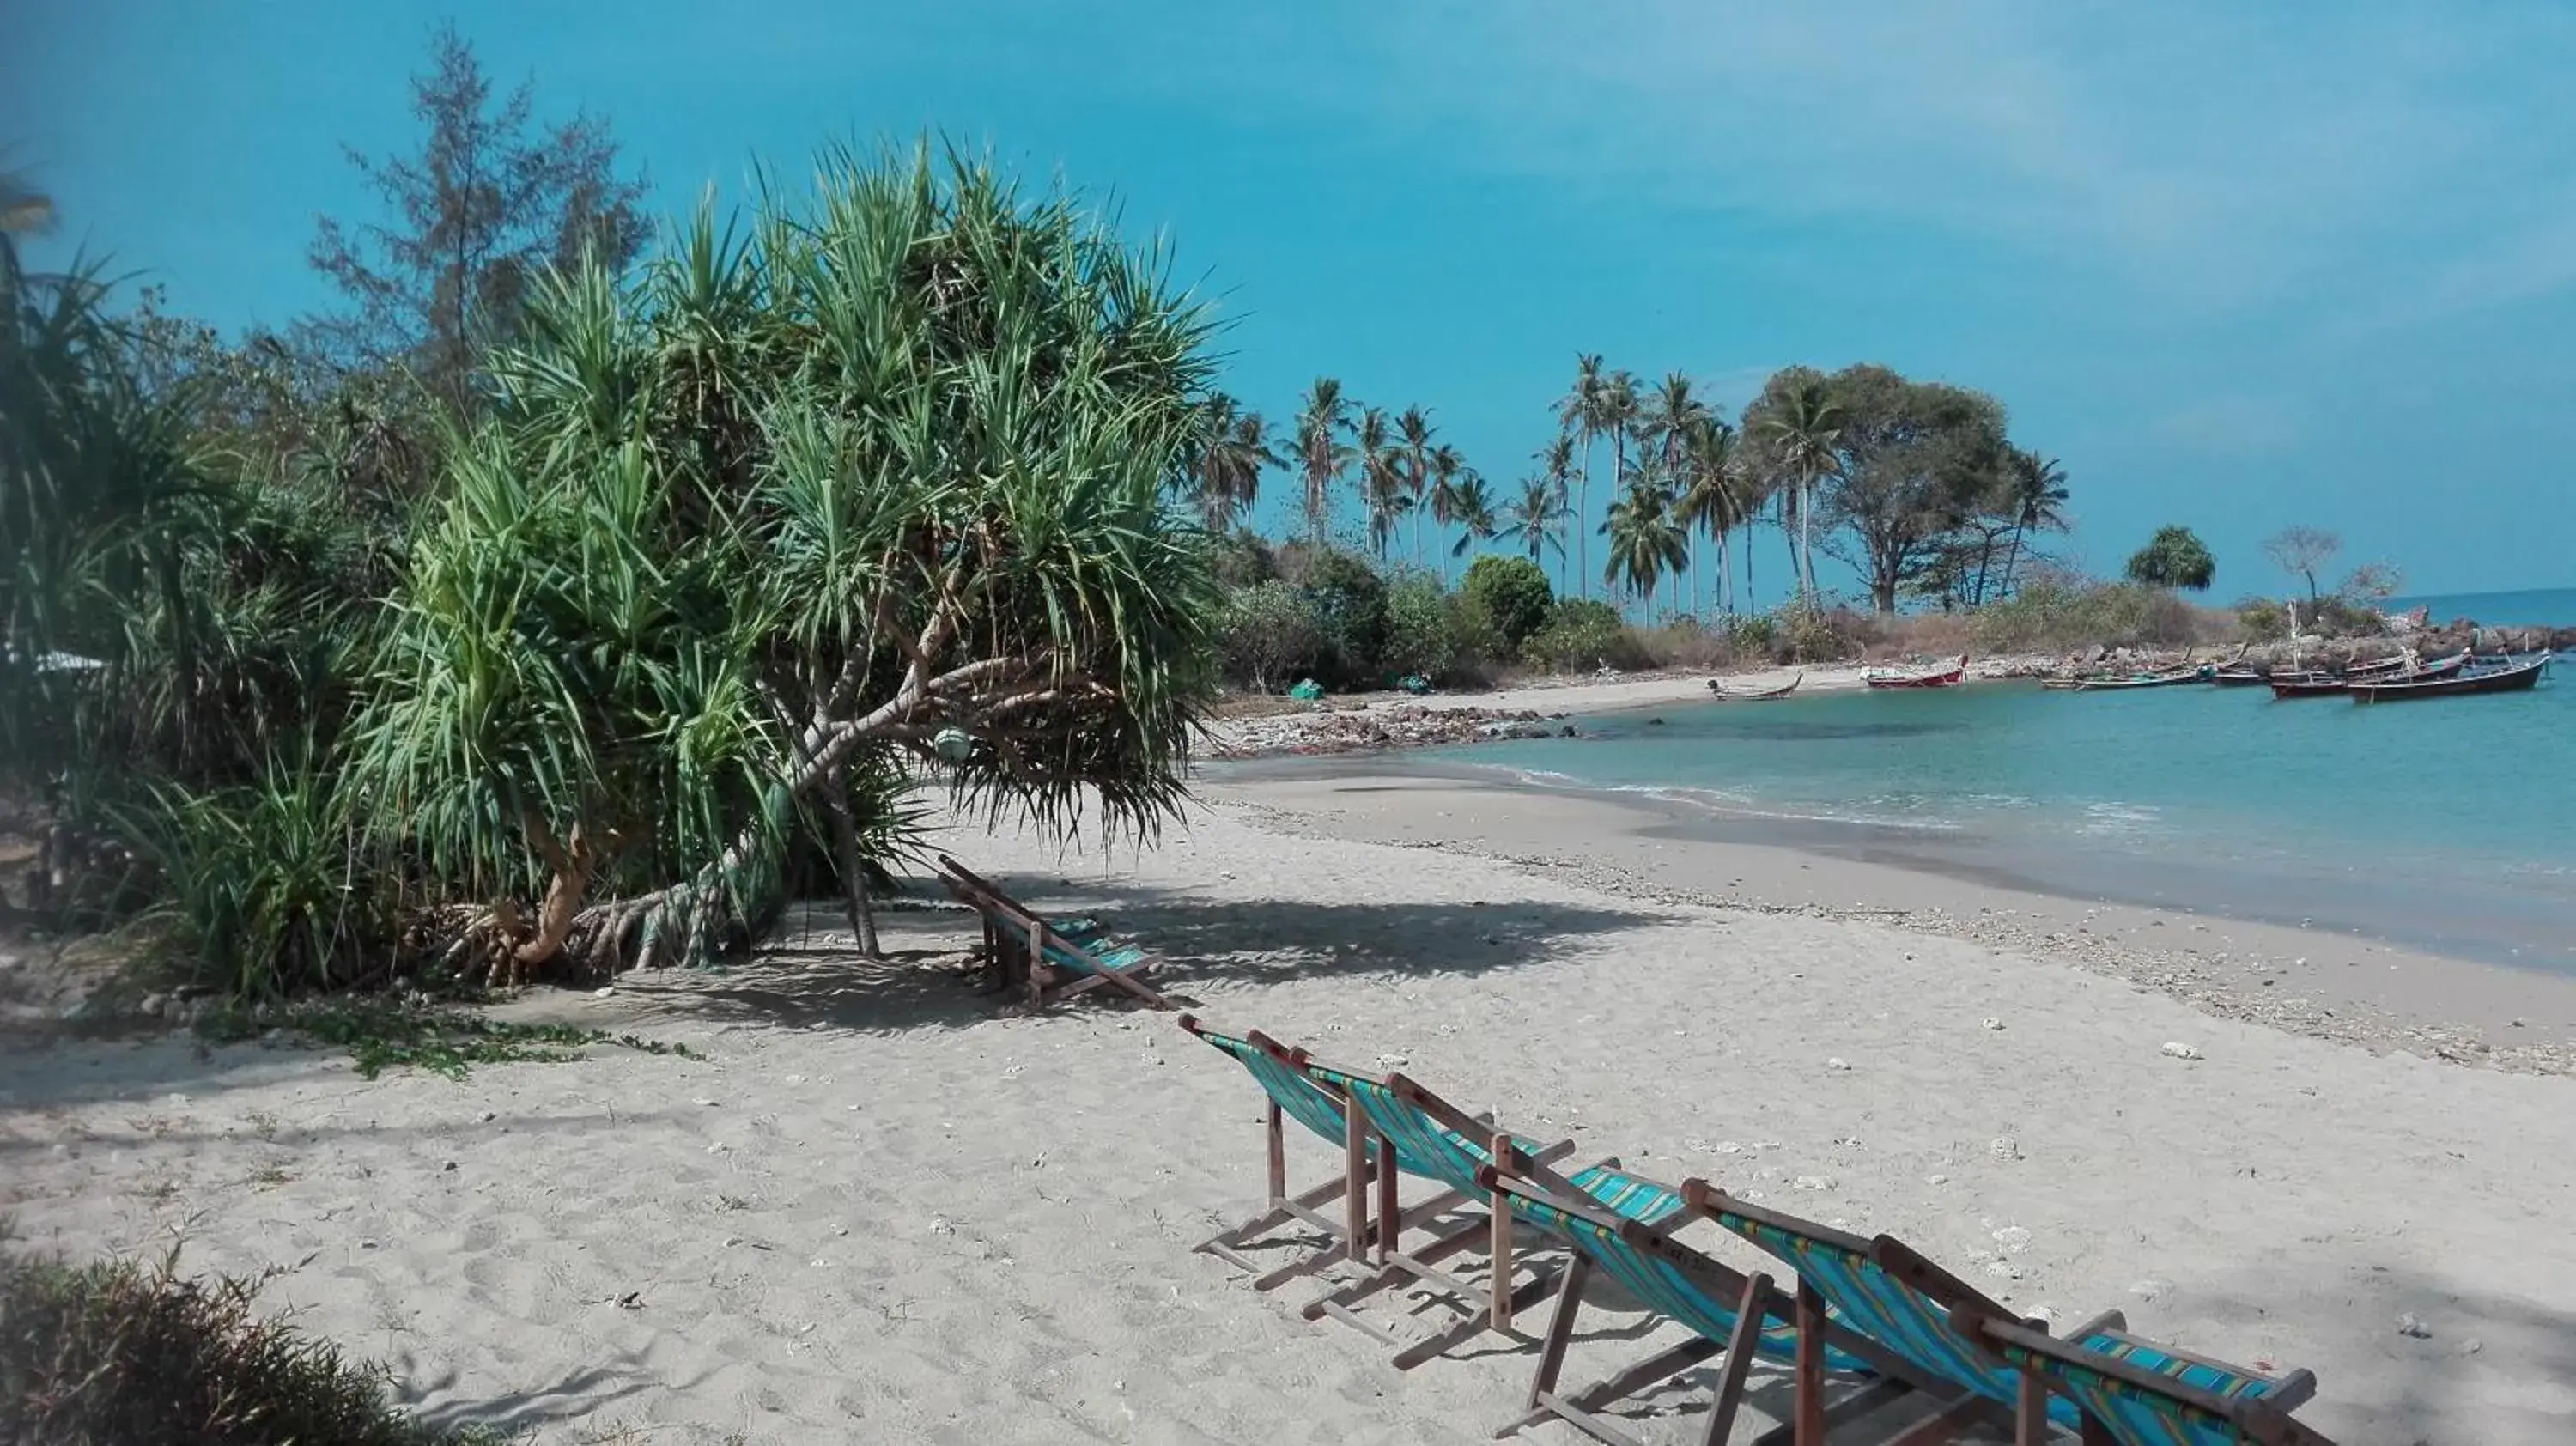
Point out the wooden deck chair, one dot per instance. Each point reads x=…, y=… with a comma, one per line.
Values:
x=2132, y=1392
x=1741, y=1316
x=1055, y=961
x=1415, y=1132
x=1888, y=1294
x=1293, y=1093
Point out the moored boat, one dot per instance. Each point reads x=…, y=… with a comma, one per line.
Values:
x=2308, y=685
x=1938, y=677
x=2499, y=675
x=2237, y=675
x=2135, y=680
x=1760, y=695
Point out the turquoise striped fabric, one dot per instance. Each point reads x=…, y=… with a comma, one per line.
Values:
x=1879, y=1306
x=1662, y=1288
x=1425, y=1147
x=2137, y=1417
x=1295, y=1094
x=1116, y=961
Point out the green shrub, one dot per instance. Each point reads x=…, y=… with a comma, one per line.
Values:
x=2262, y=620
x=1481, y=644
x=115, y=1354
x=1419, y=635
x=1269, y=635
x=1809, y=634
x=1514, y=593
x=2055, y=615
x=1582, y=634
x=1349, y=603
x=1754, y=635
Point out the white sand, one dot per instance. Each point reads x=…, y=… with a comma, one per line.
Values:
x=878, y=1213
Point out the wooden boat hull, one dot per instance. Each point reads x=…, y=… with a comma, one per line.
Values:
x=2240, y=678
x=2467, y=682
x=2308, y=685
x=1727, y=695
x=1946, y=678
x=2148, y=680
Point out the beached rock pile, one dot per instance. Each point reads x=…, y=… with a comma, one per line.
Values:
x=1403, y=726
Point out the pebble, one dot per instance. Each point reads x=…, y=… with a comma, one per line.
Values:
x=1836, y=1063
x=2408, y=1325
x=2013, y=1239
x=939, y=1225
x=1391, y=1061
x=2176, y=1049
x=1994, y=1023
x=489, y=1116
x=1936, y=1179
x=2472, y=1346
x=2006, y=1147
x=1812, y=1182
x=604, y=992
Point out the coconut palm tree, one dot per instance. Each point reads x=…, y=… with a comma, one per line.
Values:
x=1471, y=508
x=1617, y=411
x=1413, y=434
x=1803, y=433
x=1533, y=519
x=1711, y=496
x=2038, y=493
x=1446, y=467
x=1645, y=542
x=1382, y=478
x=1579, y=420
x=1321, y=454
x=1670, y=417
x=1225, y=476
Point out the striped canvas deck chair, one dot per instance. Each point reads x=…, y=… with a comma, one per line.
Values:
x=1052, y=961
x=1890, y=1295
x=1742, y=1317
x=1415, y=1132
x=2133, y=1392
x=1293, y=1093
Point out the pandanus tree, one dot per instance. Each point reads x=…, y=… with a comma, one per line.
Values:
x=761, y=537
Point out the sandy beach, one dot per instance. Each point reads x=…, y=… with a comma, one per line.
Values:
x=878, y=1211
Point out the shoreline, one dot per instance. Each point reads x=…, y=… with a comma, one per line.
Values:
x=2317, y=982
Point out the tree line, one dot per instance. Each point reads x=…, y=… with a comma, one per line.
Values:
x=1913, y=484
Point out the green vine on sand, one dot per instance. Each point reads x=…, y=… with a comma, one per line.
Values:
x=442, y=1039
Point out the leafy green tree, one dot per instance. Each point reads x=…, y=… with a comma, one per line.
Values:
x=1349, y=602
x=1420, y=638
x=2173, y=558
x=1269, y=632
x=882, y=480
x=1513, y=593
x=488, y=203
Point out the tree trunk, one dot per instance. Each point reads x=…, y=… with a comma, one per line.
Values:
x=2012, y=560
x=1807, y=540
x=854, y=874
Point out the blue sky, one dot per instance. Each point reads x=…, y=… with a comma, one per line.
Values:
x=2238, y=266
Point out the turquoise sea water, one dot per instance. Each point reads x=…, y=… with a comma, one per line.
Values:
x=2440, y=823
x=2531, y=608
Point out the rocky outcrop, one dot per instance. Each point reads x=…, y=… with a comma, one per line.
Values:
x=1322, y=731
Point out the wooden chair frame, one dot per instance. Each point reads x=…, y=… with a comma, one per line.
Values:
x=1017, y=942
x=1306, y=1206
x=2263, y=1419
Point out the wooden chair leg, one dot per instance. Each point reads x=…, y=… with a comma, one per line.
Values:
x=2030, y=1412
x=1807, y=1411
x=1274, y=1153
x=1390, y=1218
x=1740, y=1349
x=1560, y=1332
x=1355, y=1162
